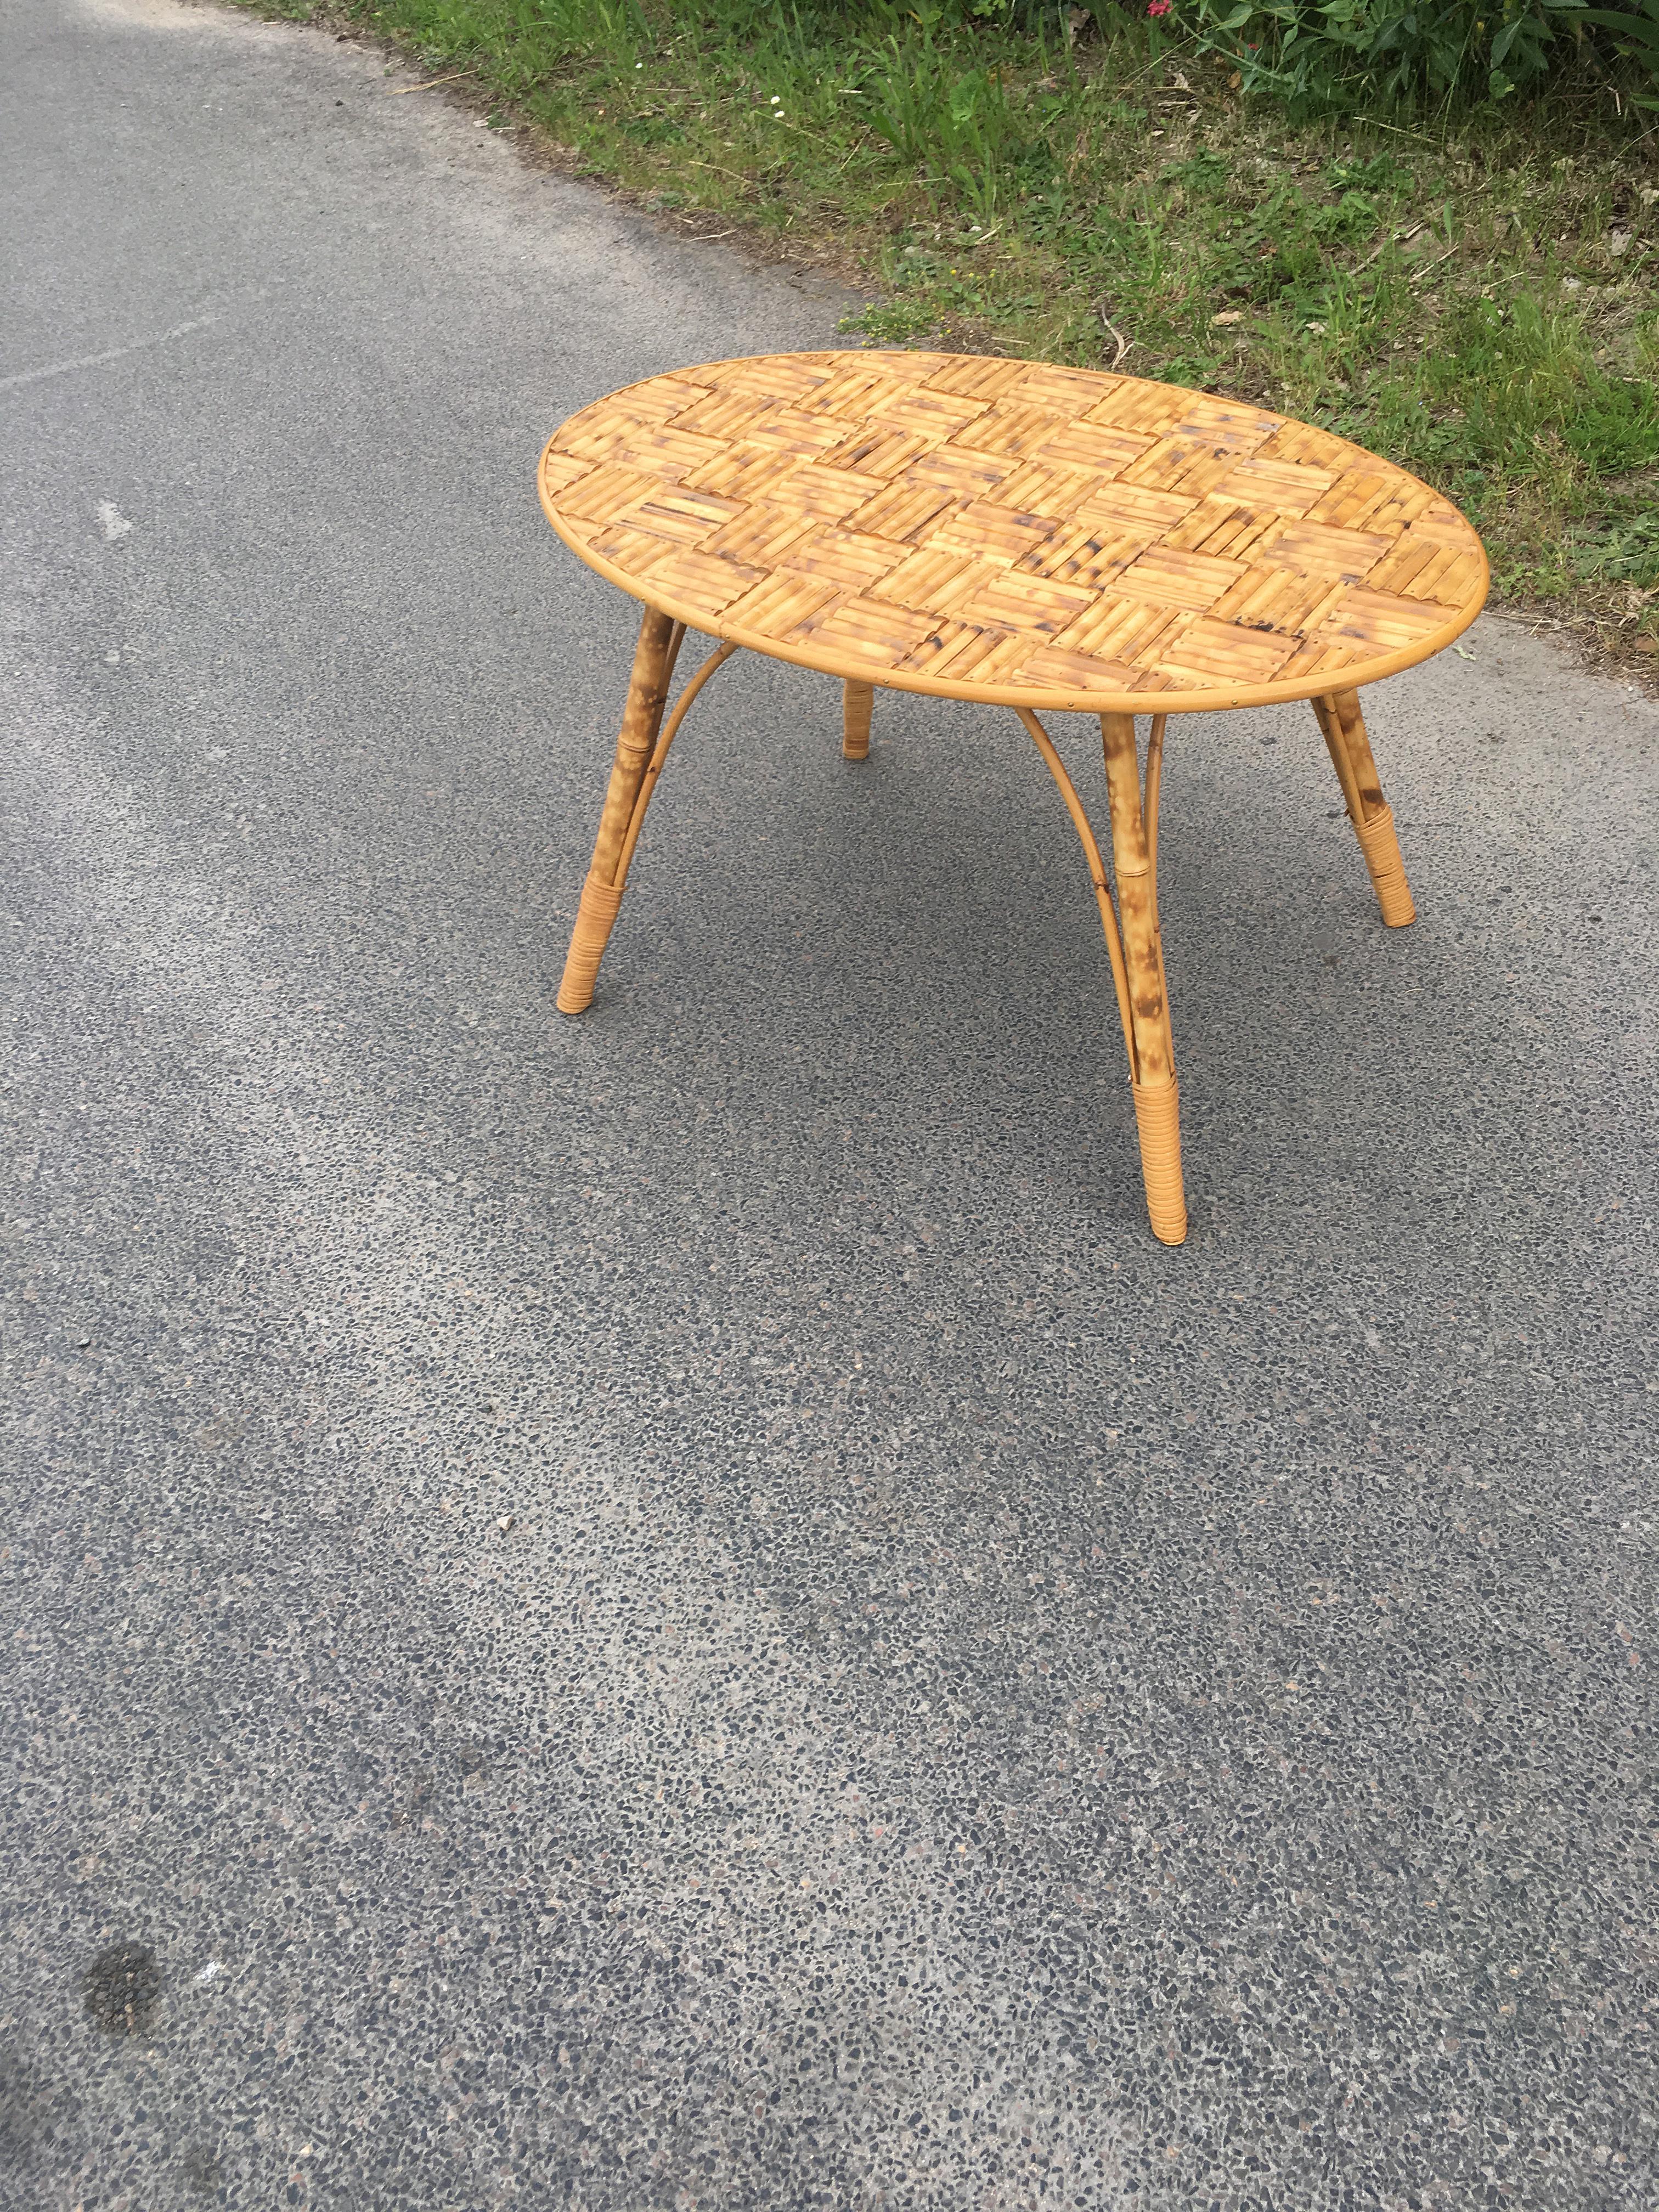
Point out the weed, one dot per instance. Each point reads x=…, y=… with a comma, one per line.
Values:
x=1625, y=551
x=1338, y=54
x=892, y=323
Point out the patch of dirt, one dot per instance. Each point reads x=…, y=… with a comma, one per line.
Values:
x=1599, y=646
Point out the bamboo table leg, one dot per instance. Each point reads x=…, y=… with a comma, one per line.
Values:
x=1158, y=1105
x=1136, y=948
x=1344, y=728
x=648, y=691
x=858, y=701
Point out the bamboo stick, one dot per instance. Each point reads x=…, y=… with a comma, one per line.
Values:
x=1154, y=773
x=1149, y=810
x=682, y=708
x=858, y=701
x=1137, y=911
x=1097, y=872
x=1344, y=729
x=659, y=642
x=1155, y=1095
x=1331, y=731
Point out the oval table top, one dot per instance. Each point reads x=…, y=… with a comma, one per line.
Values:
x=1003, y=531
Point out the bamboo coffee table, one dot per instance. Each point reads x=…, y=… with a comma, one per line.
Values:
x=1048, y=540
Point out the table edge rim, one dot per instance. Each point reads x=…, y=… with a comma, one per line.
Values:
x=1274, y=693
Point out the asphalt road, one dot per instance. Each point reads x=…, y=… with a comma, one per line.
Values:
x=683, y=1609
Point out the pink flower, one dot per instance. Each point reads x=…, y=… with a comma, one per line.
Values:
x=1157, y=7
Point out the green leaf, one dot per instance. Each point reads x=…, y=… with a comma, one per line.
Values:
x=1505, y=40
x=1642, y=30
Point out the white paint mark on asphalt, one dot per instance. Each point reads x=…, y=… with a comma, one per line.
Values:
x=98, y=360
x=116, y=525
x=210, y=1971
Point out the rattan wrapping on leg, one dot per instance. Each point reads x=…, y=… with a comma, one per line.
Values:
x=1380, y=847
x=859, y=700
x=1157, y=1116
x=594, y=917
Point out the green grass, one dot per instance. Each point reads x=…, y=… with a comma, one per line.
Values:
x=1474, y=297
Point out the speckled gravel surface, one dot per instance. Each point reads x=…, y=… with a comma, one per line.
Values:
x=682, y=1610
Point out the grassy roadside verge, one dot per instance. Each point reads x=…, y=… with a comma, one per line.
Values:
x=1477, y=299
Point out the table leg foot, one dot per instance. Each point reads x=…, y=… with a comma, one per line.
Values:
x=648, y=691
x=858, y=701
x=1344, y=729
x=1157, y=1117
x=1380, y=847
x=600, y=903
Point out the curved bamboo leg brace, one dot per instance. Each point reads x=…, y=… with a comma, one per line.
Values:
x=670, y=730
x=602, y=892
x=1157, y=1105
x=857, y=701
x=1096, y=872
x=1344, y=729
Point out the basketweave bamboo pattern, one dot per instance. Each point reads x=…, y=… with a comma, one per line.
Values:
x=1024, y=534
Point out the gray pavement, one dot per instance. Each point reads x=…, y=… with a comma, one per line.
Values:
x=682, y=1610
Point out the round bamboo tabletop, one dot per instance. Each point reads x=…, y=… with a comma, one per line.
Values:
x=1007, y=532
